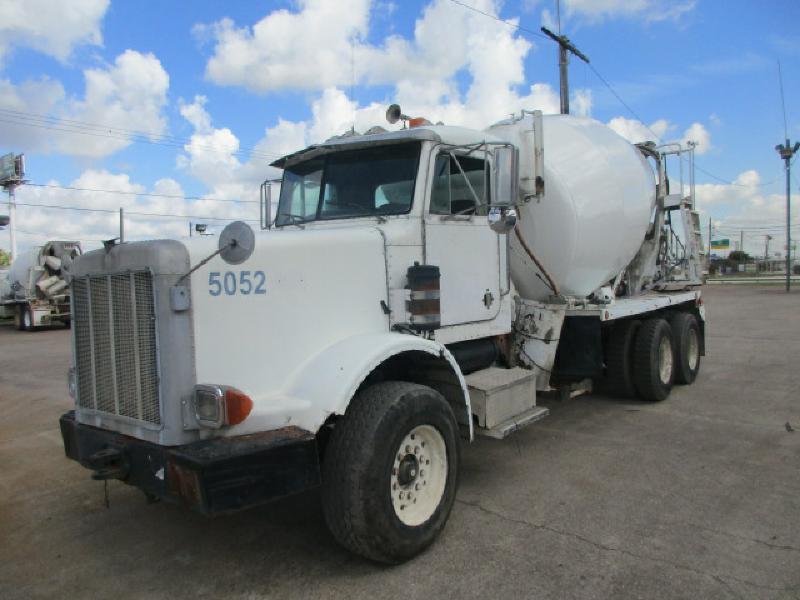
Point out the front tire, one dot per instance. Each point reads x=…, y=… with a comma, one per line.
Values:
x=653, y=360
x=390, y=471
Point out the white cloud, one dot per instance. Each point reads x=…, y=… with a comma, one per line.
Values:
x=596, y=11
x=54, y=28
x=212, y=157
x=700, y=136
x=743, y=206
x=635, y=131
x=42, y=224
x=128, y=95
x=308, y=49
x=449, y=44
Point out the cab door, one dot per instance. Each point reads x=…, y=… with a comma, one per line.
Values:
x=459, y=240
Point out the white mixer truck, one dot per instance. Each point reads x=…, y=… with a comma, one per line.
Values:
x=35, y=289
x=414, y=287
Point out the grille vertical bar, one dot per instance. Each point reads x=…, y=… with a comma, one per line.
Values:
x=83, y=342
x=115, y=345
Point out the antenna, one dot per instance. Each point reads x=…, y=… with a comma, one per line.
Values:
x=353, y=78
x=783, y=102
x=558, y=15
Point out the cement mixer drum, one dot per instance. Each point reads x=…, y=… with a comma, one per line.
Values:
x=599, y=198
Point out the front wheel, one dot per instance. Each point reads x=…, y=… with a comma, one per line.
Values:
x=390, y=471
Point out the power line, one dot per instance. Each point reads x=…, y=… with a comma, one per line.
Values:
x=63, y=125
x=498, y=19
x=41, y=235
x=131, y=213
x=150, y=195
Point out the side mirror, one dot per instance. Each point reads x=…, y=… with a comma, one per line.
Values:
x=505, y=176
x=502, y=219
x=505, y=189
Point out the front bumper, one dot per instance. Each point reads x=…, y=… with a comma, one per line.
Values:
x=210, y=476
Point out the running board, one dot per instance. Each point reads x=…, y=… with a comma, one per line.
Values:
x=505, y=428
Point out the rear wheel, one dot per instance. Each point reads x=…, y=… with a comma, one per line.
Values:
x=19, y=318
x=619, y=359
x=390, y=471
x=653, y=364
x=686, y=338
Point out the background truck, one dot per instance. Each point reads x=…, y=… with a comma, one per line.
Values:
x=35, y=289
x=415, y=287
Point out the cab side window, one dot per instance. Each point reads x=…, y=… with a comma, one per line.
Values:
x=451, y=193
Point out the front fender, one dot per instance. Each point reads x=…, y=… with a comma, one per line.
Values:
x=331, y=378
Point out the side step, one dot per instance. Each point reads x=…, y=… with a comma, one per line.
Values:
x=503, y=400
x=505, y=428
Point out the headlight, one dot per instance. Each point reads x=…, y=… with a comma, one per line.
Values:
x=218, y=405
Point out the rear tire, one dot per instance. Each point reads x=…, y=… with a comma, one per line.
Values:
x=386, y=494
x=619, y=359
x=19, y=320
x=653, y=361
x=686, y=342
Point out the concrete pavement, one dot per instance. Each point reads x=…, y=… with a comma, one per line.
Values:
x=695, y=497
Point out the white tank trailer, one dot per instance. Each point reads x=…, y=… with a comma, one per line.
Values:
x=35, y=291
x=414, y=287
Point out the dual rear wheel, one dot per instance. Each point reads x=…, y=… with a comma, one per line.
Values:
x=645, y=358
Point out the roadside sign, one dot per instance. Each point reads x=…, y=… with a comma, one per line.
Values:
x=720, y=244
x=8, y=167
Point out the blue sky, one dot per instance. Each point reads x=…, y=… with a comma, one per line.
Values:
x=211, y=81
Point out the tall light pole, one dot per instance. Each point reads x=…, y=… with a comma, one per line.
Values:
x=786, y=152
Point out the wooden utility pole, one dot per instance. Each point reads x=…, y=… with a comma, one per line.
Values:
x=564, y=47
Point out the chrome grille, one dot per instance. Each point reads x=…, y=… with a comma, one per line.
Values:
x=115, y=345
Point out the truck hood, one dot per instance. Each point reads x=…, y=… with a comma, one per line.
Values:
x=300, y=292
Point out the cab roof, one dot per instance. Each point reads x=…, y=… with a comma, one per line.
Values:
x=444, y=134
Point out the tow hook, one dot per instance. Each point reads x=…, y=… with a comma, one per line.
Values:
x=109, y=463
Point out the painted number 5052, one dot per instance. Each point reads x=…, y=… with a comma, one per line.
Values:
x=232, y=282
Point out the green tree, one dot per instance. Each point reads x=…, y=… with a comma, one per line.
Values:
x=738, y=256
x=5, y=258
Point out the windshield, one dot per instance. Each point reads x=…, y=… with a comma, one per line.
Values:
x=351, y=183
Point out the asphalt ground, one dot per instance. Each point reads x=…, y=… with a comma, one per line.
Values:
x=695, y=497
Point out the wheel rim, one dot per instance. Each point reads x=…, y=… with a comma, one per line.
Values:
x=419, y=475
x=692, y=350
x=665, y=360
